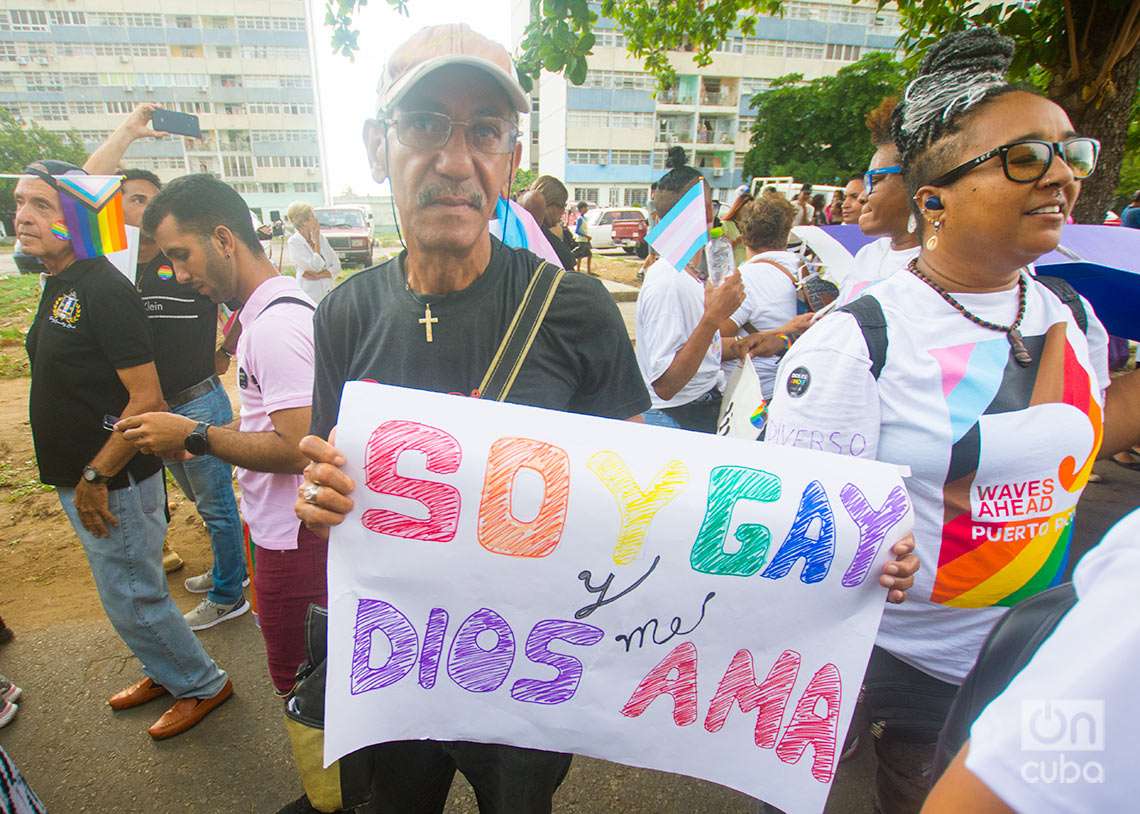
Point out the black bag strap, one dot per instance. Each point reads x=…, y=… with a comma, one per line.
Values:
x=280, y=300
x=1069, y=296
x=868, y=314
x=517, y=341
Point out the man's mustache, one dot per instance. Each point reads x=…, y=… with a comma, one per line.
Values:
x=433, y=192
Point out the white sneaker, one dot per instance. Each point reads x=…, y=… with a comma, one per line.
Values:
x=207, y=613
x=9, y=691
x=204, y=583
x=8, y=711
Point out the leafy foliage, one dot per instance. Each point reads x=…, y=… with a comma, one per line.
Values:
x=523, y=179
x=815, y=131
x=21, y=144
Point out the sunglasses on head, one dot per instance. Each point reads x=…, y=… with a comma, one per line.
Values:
x=882, y=172
x=1026, y=161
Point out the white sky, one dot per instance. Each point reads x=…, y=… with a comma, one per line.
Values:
x=348, y=88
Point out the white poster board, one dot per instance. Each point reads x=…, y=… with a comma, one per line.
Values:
x=743, y=409
x=522, y=576
x=127, y=260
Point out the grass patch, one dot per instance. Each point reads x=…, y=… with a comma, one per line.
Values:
x=19, y=296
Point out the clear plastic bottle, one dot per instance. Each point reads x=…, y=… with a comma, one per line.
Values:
x=720, y=258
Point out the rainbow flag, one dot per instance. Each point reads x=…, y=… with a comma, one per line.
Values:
x=93, y=211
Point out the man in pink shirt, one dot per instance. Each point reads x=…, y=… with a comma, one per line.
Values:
x=203, y=227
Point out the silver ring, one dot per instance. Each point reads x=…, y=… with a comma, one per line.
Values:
x=309, y=493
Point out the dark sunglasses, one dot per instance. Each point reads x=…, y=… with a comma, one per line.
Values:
x=870, y=175
x=1024, y=162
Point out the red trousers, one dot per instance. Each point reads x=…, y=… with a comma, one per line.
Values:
x=286, y=583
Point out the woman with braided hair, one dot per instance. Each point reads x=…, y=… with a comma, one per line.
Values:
x=979, y=377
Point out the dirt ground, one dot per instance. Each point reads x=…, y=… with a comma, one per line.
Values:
x=44, y=577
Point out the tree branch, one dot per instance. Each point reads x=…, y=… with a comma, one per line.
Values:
x=1125, y=34
x=1071, y=31
x=1089, y=27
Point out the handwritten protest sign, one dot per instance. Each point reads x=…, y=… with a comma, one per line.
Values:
x=655, y=597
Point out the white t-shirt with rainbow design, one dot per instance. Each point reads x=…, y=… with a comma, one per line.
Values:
x=999, y=454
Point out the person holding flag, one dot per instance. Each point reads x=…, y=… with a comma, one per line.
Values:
x=92, y=363
x=679, y=346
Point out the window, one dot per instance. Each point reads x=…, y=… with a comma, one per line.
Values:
x=107, y=19
x=750, y=87
x=273, y=189
x=746, y=124
x=28, y=20
x=119, y=107
x=223, y=52
x=660, y=155
x=845, y=53
x=44, y=81
x=588, y=118
x=82, y=108
x=608, y=38
x=306, y=187
x=619, y=80
x=587, y=194
x=287, y=161
x=272, y=23
x=148, y=20
x=804, y=50
x=68, y=18
x=283, y=135
x=237, y=165
x=93, y=136
x=194, y=107
x=634, y=158
x=738, y=161
x=49, y=111
x=213, y=21
x=186, y=51
x=626, y=120
x=636, y=197
x=182, y=21
x=587, y=156
x=234, y=108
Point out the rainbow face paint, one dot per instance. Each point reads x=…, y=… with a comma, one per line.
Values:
x=59, y=230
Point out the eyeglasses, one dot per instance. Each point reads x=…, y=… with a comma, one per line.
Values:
x=1024, y=162
x=870, y=175
x=425, y=130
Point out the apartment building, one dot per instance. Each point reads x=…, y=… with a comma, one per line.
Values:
x=608, y=138
x=242, y=66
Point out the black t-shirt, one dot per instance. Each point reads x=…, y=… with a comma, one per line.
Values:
x=90, y=323
x=564, y=251
x=581, y=361
x=184, y=325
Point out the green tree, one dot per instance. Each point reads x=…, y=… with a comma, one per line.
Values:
x=22, y=143
x=1083, y=53
x=815, y=131
x=523, y=179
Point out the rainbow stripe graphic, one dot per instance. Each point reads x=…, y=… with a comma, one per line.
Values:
x=759, y=415
x=165, y=272
x=60, y=230
x=986, y=562
x=93, y=210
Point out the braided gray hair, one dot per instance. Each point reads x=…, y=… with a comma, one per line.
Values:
x=959, y=73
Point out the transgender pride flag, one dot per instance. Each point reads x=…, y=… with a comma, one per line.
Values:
x=684, y=231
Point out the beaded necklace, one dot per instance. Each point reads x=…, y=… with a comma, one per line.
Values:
x=1017, y=345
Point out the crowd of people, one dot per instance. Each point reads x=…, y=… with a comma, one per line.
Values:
x=945, y=354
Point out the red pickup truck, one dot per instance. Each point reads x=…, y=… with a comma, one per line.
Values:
x=629, y=234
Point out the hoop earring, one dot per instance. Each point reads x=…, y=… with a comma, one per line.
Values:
x=932, y=241
x=911, y=224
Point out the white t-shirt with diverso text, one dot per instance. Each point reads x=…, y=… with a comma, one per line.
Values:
x=999, y=453
x=669, y=308
x=1065, y=734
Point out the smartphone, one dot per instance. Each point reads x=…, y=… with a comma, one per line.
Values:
x=171, y=121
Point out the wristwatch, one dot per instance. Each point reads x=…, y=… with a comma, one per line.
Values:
x=196, y=442
x=92, y=475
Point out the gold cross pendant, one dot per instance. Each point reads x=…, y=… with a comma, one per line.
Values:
x=428, y=321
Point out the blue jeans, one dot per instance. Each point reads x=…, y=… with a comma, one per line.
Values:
x=208, y=481
x=127, y=566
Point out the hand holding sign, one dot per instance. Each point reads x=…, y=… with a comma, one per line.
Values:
x=512, y=575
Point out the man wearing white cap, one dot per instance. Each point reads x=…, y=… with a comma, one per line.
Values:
x=446, y=137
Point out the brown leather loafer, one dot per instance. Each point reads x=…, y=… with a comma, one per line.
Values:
x=187, y=712
x=137, y=694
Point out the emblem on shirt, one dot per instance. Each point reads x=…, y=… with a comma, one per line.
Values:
x=243, y=378
x=165, y=272
x=66, y=310
x=798, y=382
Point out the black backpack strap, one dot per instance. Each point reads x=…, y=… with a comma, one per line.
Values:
x=868, y=314
x=517, y=341
x=1068, y=295
x=280, y=300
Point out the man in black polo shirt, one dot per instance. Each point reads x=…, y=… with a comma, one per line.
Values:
x=184, y=325
x=92, y=363
x=447, y=138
